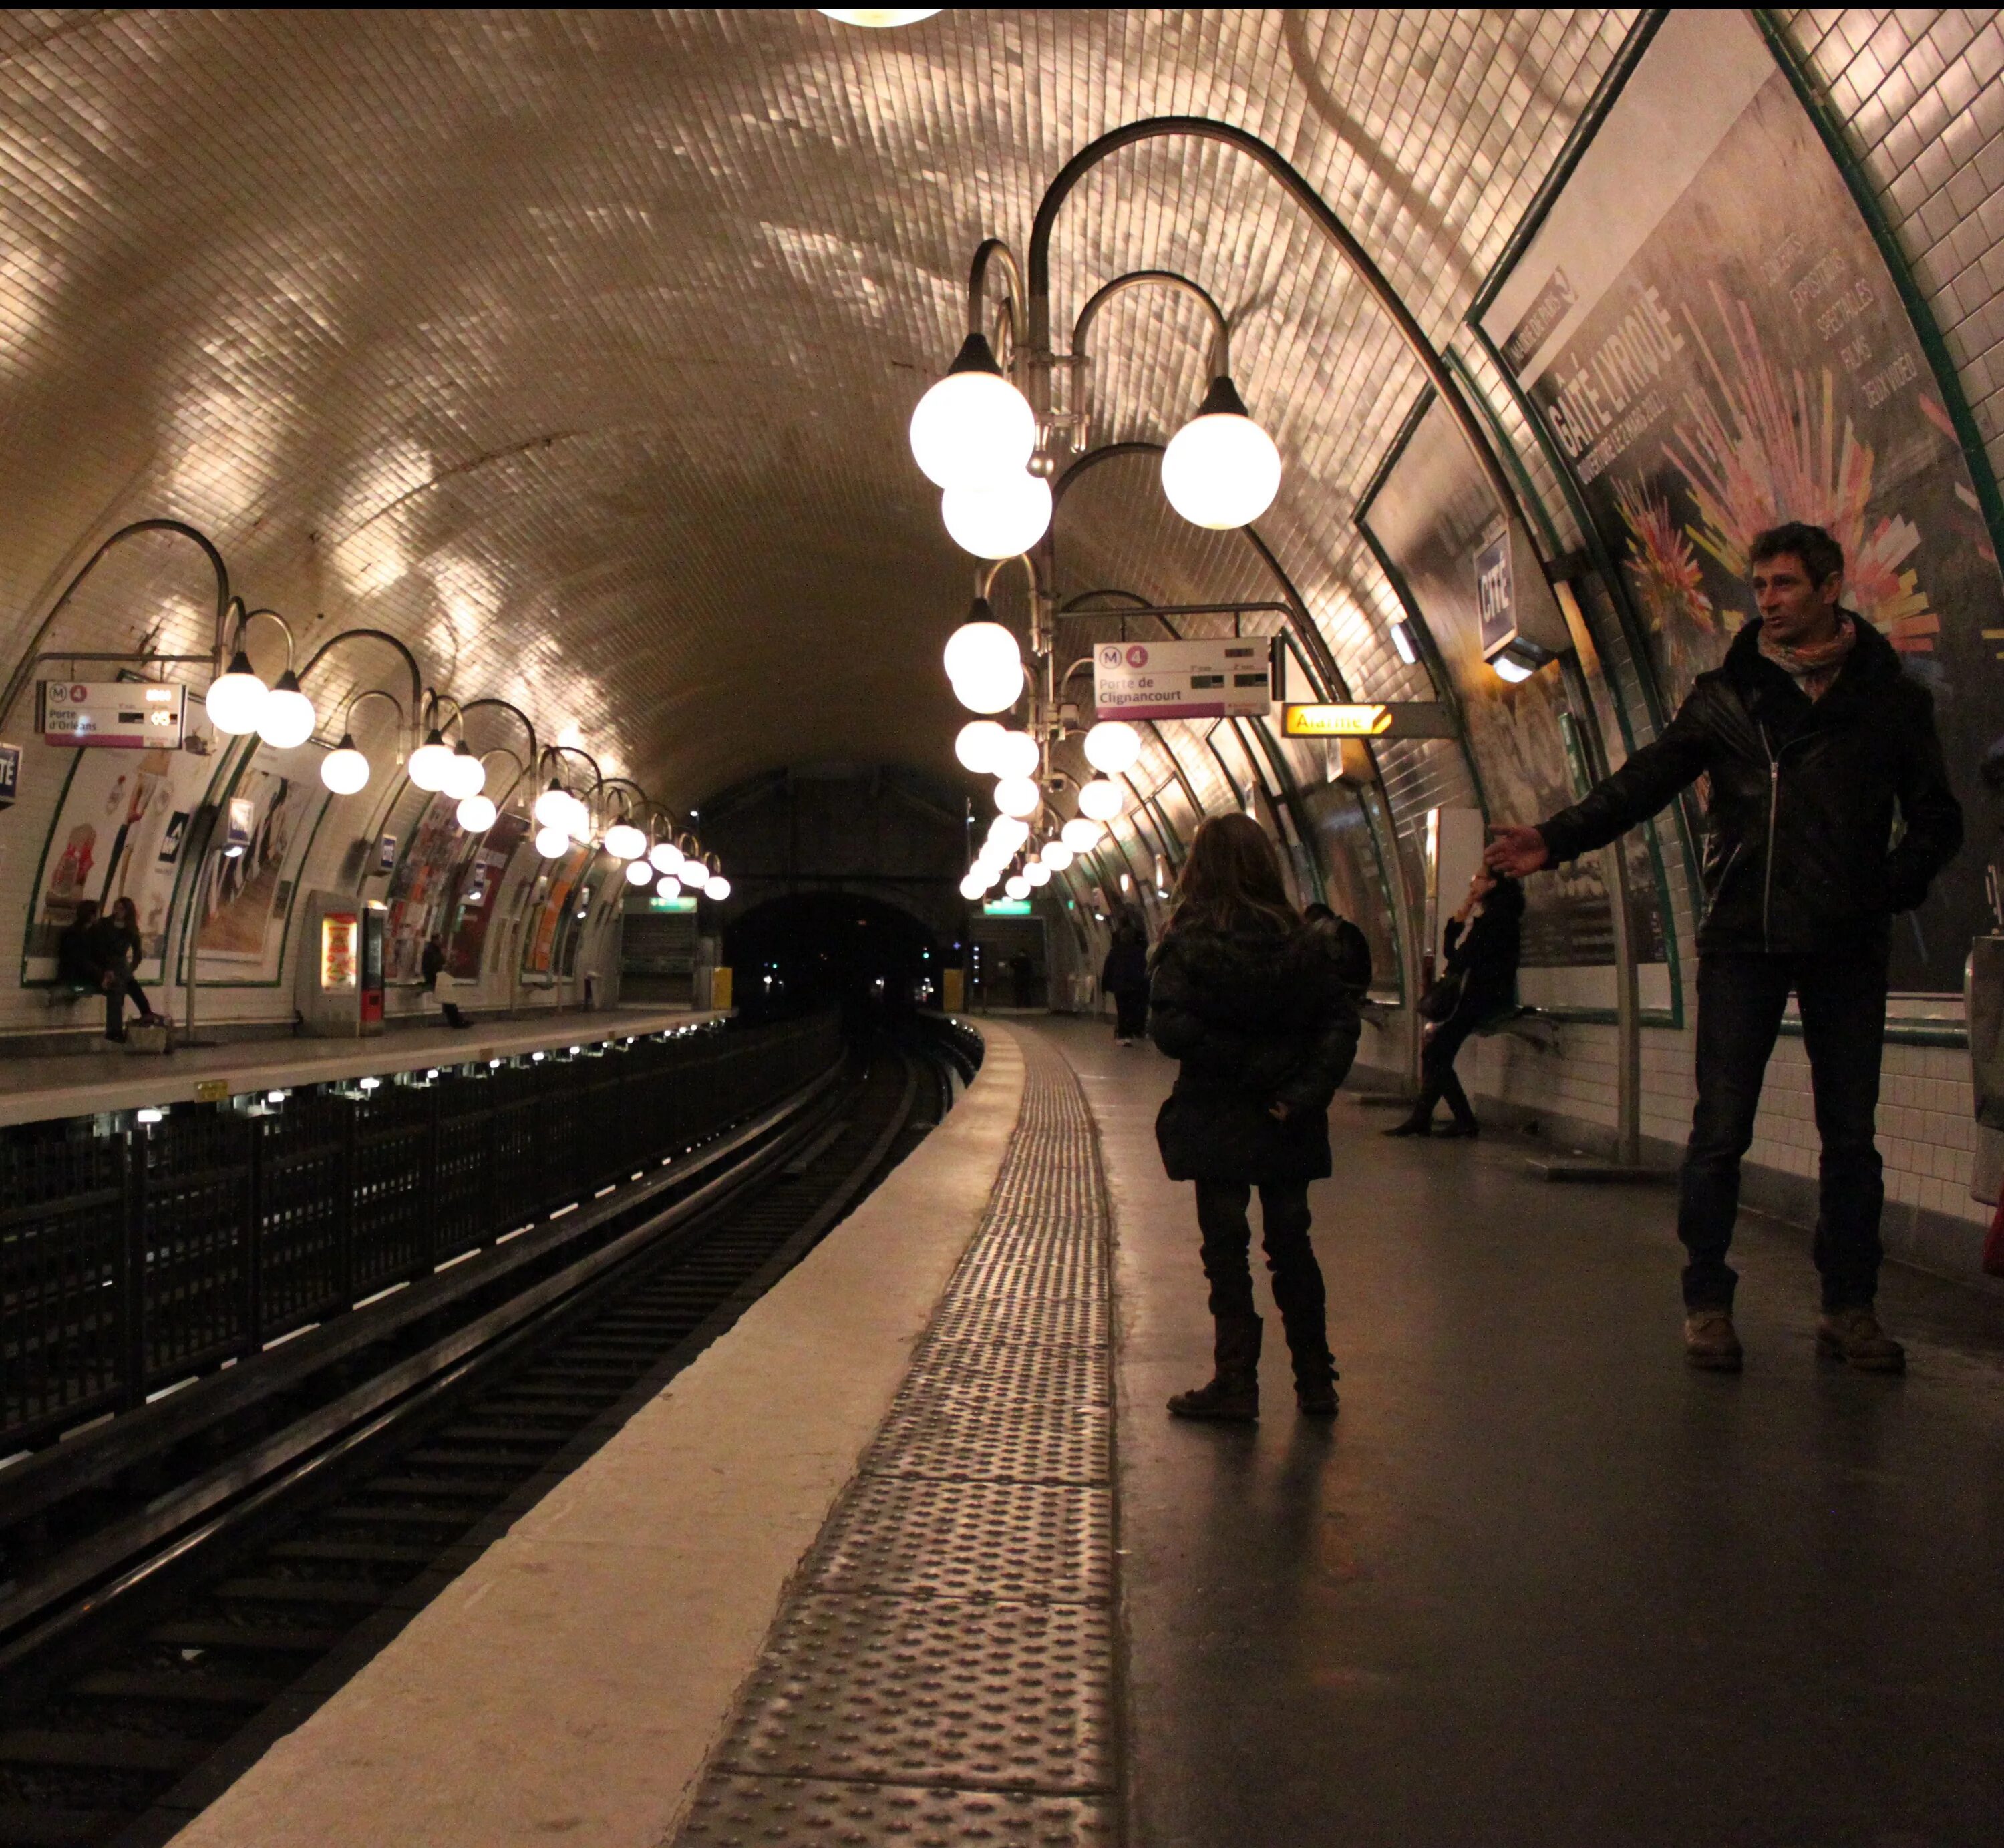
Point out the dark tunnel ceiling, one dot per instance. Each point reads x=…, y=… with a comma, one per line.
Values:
x=577, y=349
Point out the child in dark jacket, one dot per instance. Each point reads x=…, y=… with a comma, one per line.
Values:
x=1252, y=1002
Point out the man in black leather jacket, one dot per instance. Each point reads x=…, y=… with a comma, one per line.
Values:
x=1812, y=737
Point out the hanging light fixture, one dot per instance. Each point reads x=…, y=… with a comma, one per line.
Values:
x=1057, y=855
x=998, y=519
x=975, y=745
x=476, y=813
x=664, y=856
x=345, y=770
x=669, y=886
x=1081, y=834
x=235, y=698
x=553, y=806
x=431, y=763
x=639, y=873
x=1221, y=469
x=1017, y=755
x=1016, y=886
x=623, y=841
x=552, y=842
x=878, y=18
x=285, y=715
x=717, y=888
x=984, y=662
x=1100, y=799
x=1007, y=832
x=1113, y=746
x=1018, y=796
x=1037, y=874
x=973, y=886
x=466, y=775
x=973, y=428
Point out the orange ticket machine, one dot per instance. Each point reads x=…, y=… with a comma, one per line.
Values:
x=340, y=978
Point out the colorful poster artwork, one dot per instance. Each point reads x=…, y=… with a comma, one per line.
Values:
x=242, y=904
x=479, y=891
x=1738, y=368
x=1430, y=517
x=422, y=888
x=118, y=833
x=1341, y=833
x=539, y=947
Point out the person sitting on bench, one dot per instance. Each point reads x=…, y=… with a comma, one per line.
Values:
x=77, y=967
x=116, y=949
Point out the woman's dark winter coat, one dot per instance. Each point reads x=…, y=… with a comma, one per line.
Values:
x=1485, y=957
x=1258, y=1015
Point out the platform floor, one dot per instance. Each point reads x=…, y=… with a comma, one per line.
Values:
x=1539, y=1584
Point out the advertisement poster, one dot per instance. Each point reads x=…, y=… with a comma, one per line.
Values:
x=422, y=888
x=479, y=891
x=242, y=904
x=1431, y=517
x=118, y=833
x=539, y=947
x=1713, y=370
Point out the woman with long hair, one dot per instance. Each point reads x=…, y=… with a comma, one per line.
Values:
x=117, y=948
x=1252, y=1003
x=1483, y=942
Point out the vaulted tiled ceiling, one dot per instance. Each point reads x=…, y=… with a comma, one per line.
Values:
x=577, y=349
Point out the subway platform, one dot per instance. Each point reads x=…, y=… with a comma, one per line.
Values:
x=913, y=1554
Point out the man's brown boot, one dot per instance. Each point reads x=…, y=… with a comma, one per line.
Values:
x=1232, y=1396
x=1710, y=1342
x=1855, y=1337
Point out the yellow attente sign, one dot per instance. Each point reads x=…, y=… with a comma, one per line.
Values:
x=1337, y=721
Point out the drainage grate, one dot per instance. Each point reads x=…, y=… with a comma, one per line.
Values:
x=943, y=1671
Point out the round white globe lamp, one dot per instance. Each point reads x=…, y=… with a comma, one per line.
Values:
x=1100, y=799
x=669, y=886
x=552, y=807
x=1037, y=874
x=878, y=18
x=1113, y=746
x=1081, y=834
x=995, y=695
x=623, y=841
x=639, y=873
x=1007, y=833
x=431, y=764
x=1000, y=519
x=550, y=842
x=345, y=770
x=1057, y=855
x=974, y=885
x=1017, y=886
x=285, y=715
x=973, y=427
x=1018, y=796
x=975, y=744
x=465, y=776
x=1221, y=469
x=980, y=650
x=476, y=813
x=664, y=856
x=234, y=697
x=717, y=888
x=1017, y=755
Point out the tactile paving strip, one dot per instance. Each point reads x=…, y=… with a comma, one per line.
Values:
x=944, y=1674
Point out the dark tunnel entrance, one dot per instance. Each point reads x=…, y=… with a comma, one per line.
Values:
x=807, y=950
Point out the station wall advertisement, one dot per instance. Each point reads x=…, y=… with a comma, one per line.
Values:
x=422, y=887
x=243, y=905
x=478, y=891
x=1729, y=350
x=1430, y=517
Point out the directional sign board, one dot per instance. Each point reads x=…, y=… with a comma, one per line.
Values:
x=126, y=715
x=1399, y=718
x=1226, y=678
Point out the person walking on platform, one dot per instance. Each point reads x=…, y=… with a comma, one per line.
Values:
x=1124, y=975
x=114, y=947
x=1251, y=1002
x=1812, y=736
x=1483, y=942
x=431, y=966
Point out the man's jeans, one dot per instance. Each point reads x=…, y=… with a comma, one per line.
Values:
x=1740, y=1000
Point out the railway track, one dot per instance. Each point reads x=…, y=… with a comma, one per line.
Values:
x=127, y=1707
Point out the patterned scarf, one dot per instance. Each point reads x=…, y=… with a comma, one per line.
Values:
x=1813, y=665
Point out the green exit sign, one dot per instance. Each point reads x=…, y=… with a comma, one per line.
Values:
x=1006, y=907
x=686, y=903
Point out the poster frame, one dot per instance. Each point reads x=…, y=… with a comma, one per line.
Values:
x=1914, y=1025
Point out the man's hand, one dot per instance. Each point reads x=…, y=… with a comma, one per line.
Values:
x=1277, y=1112
x=1515, y=850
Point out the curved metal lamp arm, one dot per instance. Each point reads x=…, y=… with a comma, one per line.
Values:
x=521, y=717
x=374, y=634
x=354, y=699
x=627, y=783
x=1203, y=129
x=984, y=578
x=993, y=249
x=433, y=700
x=35, y=654
x=514, y=782
x=598, y=775
x=245, y=618
x=1221, y=330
